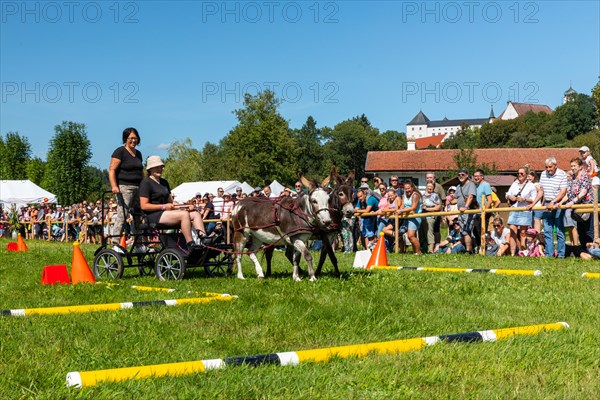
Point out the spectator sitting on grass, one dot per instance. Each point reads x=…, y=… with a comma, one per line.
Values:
x=534, y=246
x=501, y=236
x=592, y=251
x=453, y=243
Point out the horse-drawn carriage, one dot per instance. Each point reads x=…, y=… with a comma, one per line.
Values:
x=258, y=224
x=161, y=250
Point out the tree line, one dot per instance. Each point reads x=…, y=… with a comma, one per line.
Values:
x=262, y=147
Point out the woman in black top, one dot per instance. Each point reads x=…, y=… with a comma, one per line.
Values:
x=156, y=201
x=125, y=173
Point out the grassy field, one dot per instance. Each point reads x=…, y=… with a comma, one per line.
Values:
x=277, y=314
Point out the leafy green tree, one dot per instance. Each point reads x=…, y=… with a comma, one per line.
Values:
x=591, y=140
x=466, y=137
x=310, y=158
x=532, y=130
x=215, y=165
x=182, y=163
x=393, y=140
x=576, y=116
x=466, y=158
x=15, y=152
x=596, y=97
x=68, y=157
x=348, y=143
x=36, y=170
x=260, y=147
x=97, y=182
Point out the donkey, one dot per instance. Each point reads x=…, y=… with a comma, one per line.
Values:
x=340, y=204
x=287, y=221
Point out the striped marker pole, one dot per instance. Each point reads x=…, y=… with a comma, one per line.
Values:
x=161, y=289
x=108, y=307
x=91, y=378
x=168, y=290
x=590, y=275
x=467, y=270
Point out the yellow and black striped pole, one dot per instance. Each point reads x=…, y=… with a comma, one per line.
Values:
x=91, y=378
x=529, y=272
x=162, y=289
x=108, y=307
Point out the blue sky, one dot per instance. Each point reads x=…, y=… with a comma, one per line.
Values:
x=178, y=69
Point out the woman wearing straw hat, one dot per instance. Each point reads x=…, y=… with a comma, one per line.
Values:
x=156, y=201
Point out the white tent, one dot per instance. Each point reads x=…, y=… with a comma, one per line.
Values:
x=24, y=192
x=276, y=187
x=246, y=188
x=188, y=190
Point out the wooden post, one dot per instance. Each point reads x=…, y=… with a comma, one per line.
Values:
x=397, y=244
x=228, y=233
x=483, y=227
x=595, y=219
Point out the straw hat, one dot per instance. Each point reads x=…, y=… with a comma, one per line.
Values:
x=153, y=162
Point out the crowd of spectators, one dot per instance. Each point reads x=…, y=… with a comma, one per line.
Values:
x=526, y=232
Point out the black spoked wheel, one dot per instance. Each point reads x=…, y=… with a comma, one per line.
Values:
x=170, y=265
x=146, y=263
x=219, y=265
x=108, y=264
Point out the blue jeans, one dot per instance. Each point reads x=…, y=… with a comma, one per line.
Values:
x=554, y=219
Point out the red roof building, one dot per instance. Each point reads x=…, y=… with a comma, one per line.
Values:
x=416, y=163
x=514, y=110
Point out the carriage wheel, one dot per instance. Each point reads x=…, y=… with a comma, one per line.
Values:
x=221, y=265
x=170, y=264
x=146, y=263
x=108, y=264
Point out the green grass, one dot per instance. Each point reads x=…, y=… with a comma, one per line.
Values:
x=278, y=314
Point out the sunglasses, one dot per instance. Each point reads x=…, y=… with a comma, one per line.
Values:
x=497, y=226
x=364, y=181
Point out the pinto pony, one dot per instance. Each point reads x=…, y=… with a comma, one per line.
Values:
x=284, y=221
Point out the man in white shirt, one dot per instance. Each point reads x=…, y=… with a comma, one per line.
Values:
x=218, y=202
x=554, y=183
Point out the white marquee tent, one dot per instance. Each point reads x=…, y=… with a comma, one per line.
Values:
x=188, y=190
x=276, y=187
x=24, y=192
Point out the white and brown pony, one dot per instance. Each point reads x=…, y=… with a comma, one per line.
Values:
x=281, y=221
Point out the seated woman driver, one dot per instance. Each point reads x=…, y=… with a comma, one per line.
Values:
x=157, y=203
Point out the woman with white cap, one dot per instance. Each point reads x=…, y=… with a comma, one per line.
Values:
x=156, y=201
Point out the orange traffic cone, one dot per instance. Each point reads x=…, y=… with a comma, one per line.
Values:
x=21, y=246
x=123, y=241
x=80, y=270
x=379, y=255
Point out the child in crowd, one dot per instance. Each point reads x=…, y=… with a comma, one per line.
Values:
x=491, y=247
x=453, y=243
x=451, y=205
x=534, y=246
